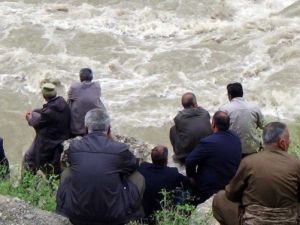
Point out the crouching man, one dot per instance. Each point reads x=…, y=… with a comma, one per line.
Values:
x=265, y=189
x=102, y=185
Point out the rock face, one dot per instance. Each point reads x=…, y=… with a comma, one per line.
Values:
x=203, y=214
x=14, y=211
x=139, y=148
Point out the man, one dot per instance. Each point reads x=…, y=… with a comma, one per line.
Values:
x=82, y=97
x=103, y=186
x=266, y=185
x=244, y=119
x=191, y=124
x=215, y=159
x=4, y=164
x=159, y=176
x=51, y=124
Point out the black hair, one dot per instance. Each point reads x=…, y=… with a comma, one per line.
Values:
x=273, y=131
x=221, y=120
x=86, y=74
x=235, y=90
x=188, y=100
x=159, y=155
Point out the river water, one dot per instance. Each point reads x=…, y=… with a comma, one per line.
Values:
x=146, y=54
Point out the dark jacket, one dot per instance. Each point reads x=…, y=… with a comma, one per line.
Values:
x=157, y=178
x=98, y=190
x=52, y=128
x=216, y=158
x=191, y=125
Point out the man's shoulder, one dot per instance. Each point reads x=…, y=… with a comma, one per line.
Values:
x=75, y=84
x=100, y=141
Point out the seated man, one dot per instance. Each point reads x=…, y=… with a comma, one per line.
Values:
x=101, y=186
x=266, y=185
x=191, y=124
x=51, y=124
x=245, y=119
x=82, y=97
x=215, y=159
x=159, y=176
x=4, y=165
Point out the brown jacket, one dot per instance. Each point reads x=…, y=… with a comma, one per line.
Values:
x=270, y=178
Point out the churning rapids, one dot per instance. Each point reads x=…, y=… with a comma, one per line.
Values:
x=146, y=54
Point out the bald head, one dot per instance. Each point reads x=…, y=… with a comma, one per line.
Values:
x=159, y=155
x=220, y=121
x=188, y=100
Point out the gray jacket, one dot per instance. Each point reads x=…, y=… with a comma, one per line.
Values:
x=244, y=121
x=82, y=97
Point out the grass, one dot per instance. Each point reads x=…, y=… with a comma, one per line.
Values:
x=35, y=189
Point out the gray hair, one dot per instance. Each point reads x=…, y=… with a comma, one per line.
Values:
x=97, y=120
x=273, y=131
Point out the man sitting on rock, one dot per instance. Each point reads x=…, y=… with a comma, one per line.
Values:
x=265, y=187
x=215, y=160
x=159, y=176
x=101, y=186
x=52, y=126
x=82, y=97
x=191, y=124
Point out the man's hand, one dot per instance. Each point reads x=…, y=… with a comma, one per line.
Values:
x=28, y=116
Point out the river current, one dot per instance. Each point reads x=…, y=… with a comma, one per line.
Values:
x=146, y=54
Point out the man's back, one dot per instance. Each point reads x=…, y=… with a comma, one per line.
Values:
x=98, y=191
x=82, y=97
x=270, y=178
x=158, y=177
x=244, y=120
x=217, y=158
x=191, y=125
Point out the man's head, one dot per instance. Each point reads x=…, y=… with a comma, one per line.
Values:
x=97, y=120
x=234, y=90
x=220, y=121
x=48, y=91
x=188, y=100
x=86, y=74
x=276, y=134
x=159, y=155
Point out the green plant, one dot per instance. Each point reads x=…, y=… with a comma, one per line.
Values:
x=35, y=189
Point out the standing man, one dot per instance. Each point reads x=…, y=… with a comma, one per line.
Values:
x=215, y=160
x=191, y=124
x=82, y=97
x=265, y=187
x=102, y=185
x=244, y=119
x=52, y=124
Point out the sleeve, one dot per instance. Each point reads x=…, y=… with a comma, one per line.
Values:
x=197, y=157
x=45, y=119
x=234, y=190
x=129, y=163
x=70, y=94
x=35, y=119
x=260, y=119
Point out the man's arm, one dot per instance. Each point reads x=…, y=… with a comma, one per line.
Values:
x=234, y=190
x=260, y=119
x=197, y=157
x=129, y=163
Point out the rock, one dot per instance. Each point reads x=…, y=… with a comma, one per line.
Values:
x=203, y=214
x=140, y=149
x=17, y=212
